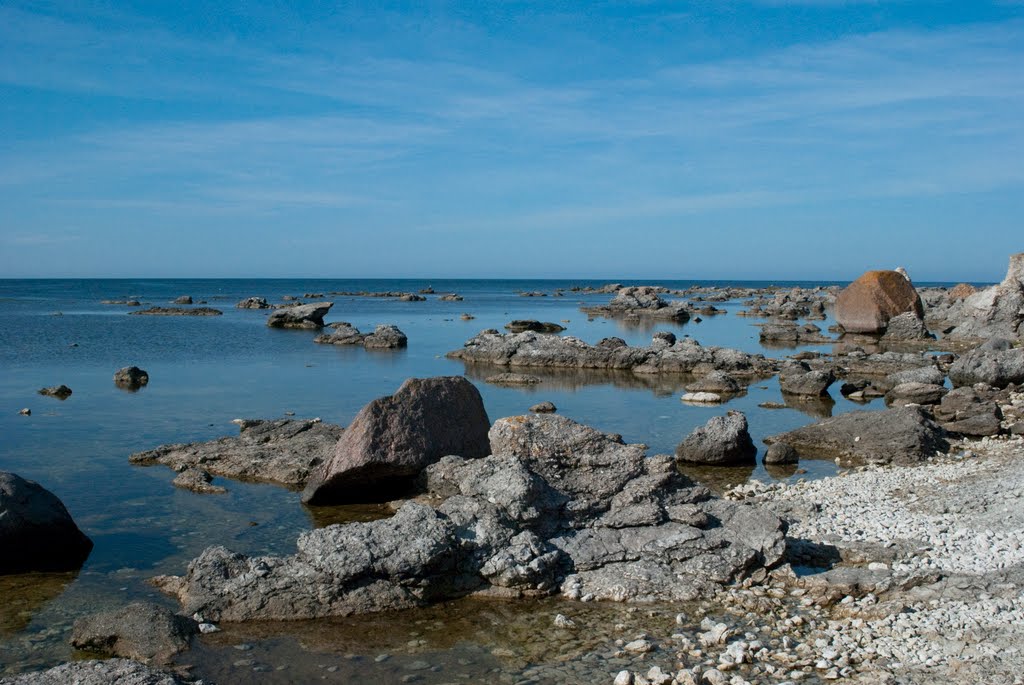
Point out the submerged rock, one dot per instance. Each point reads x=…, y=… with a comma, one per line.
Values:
x=143, y=631
x=513, y=379
x=905, y=435
x=36, y=531
x=309, y=316
x=393, y=438
x=557, y=506
x=105, y=672
x=722, y=441
x=283, y=451
x=61, y=392
x=177, y=311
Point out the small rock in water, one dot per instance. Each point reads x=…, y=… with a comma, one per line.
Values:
x=562, y=621
x=25, y=412
x=701, y=398
x=543, y=408
x=61, y=392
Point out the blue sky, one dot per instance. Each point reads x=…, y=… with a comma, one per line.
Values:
x=759, y=139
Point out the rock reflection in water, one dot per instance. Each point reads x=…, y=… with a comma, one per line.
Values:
x=23, y=595
x=576, y=379
x=718, y=478
x=817, y=407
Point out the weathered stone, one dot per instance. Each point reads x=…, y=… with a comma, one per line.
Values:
x=702, y=398
x=717, y=382
x=284, y=451
x=867, y=304
x=722, y=441
x=197, y=480
x=964, y=411
x=640, y=302
x=997, y=363
x=385, y=337
x=61, y=392
x=997, y=311
x=36, y=531
x=309, y=316
x=904, y=435
x=131, y=377
x=105, y=672
x=393, y=438
x=543, y=408
x=916, y=393
x=799, y=379
x=143, y=631
x=253, y=303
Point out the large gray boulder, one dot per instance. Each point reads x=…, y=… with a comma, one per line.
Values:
x=142, y=631
x=997, y=363
x=283, y=451
x=967, y=412
x=310, y=316
x=722, y=441
x=36, y=531
x=93, y=672
x=799, y=379
x=905, y=435
x=557, y=507
x=997, y=311
x=393, y=438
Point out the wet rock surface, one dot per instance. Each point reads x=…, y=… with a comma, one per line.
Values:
x=36, y=531
x=557, y=507
x=282, y=451
x=393, y=438
x=142, y=631
x=904, y=435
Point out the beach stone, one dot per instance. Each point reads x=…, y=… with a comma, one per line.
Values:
x=916, y=393
x=520, y=325
x=904, y=435
x=99, y=672
x=131, y=377
x=36, y=531
x=393, y=438
x=61, y=392
x=867, y=304
x=385, y=337
x=282, y=451
x=143, y=631
x=544, y=407
x=722, y=441
x=254, y=303
x=781, y=453
x=996, y=362
x=310, y=316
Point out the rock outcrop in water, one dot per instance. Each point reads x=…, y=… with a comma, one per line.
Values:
x=143, y=631
x=393, y=438
x=665, y=355
x=558, y=506
x=722, y=441
x=384, y=337
x=254, y=303
x=867, y=304
x=284, y=452
x=520, y=325
x=308, y=316
x=36, y=531
x=177, y=311
x=130, y=378
x=640, y=302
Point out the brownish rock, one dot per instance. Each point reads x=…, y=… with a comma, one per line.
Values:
x=867, y=304
x=961, y=291
x=393, y=438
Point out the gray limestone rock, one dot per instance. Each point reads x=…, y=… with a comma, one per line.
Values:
x=143, y=631
x=92, y=672
x=310, y=316
x=997, y=363
x=722, y=441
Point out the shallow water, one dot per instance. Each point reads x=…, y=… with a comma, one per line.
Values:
x=206, y=371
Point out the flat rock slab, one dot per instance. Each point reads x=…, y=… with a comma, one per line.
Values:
x=177, y=311
x=284, y=452
x=905, y=435
x=120, y=671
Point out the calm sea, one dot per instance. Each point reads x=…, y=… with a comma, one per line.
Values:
x=206, y=371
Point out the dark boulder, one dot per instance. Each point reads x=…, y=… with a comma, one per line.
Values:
x=916, y=393
x=799, y=379
x=61, y=392
x=184, y=299
x=544, y=408
x=520, y=325
x=131, y=378
x=722, y=441
x=393, y=438
x=967, y=411
x=781, y=453
x=36, y=531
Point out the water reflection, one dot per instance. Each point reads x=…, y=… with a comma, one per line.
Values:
x=576, y=379
x=24, y=595
x=817, y=407
x=718, y=478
